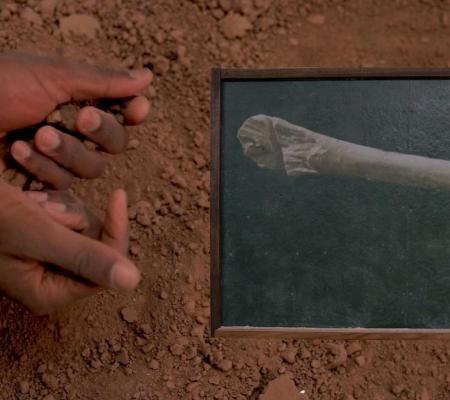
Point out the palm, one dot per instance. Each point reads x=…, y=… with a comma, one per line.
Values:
x=35, y=286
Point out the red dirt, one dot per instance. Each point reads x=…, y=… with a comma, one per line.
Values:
x=154, y=343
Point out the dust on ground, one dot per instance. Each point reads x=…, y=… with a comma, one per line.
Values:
x=154, y=343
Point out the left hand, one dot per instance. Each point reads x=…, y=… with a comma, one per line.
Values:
x=44, y=289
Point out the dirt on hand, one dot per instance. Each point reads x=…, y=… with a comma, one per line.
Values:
x=155, y=343
x=62, y=118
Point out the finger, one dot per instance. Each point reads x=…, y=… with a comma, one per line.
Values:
x=86, y=82
x=76, y=221
x=36, y=196
x=40, y=166
x=88, y=259
x=103, y=129
x=69, y=211
x=69, y=152
x=116, y=226
x=136, y=110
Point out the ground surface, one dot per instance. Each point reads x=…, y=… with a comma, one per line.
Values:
x=154, y=343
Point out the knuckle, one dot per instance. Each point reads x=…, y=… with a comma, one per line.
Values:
x=112, y=135
x=71, y=152
x=46, y=172
x=74, y=156
x=82, y=260
x=36, y=167
x=64, y=182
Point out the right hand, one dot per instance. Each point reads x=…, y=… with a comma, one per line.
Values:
x=32, y=86
x=45, y=264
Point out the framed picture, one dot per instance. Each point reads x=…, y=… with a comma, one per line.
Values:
x=330, y=203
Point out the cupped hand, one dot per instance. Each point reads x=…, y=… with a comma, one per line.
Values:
x=53, y=251
x=32, y=86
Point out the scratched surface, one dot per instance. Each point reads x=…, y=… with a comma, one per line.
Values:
x=318, y=251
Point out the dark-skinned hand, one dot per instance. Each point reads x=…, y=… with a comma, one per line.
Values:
x=32, y=86
x=53, y=251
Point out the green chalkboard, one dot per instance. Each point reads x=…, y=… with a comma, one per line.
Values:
x=319, y=251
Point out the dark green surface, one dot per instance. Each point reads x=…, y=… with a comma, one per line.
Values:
x=317, y=251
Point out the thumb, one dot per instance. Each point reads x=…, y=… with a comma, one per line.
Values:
x=89, y=259
x=85, y=82
x=28, y=232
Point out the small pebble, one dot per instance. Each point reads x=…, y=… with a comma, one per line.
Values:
x=133, y=144
x=176, y=349
x=360, y=360
x=123, y=357
x=24, y=387
x=225, y=365
x=289, y=355
x=316, y=19
x=129, y=314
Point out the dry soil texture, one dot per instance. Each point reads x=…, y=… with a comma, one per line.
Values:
x=154, y=343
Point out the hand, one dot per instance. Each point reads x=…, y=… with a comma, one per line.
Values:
x=45, y=264
x=33, y=86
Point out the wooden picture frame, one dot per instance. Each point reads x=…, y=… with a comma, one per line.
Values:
x=218, y=77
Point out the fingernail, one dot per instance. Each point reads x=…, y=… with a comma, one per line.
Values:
x=56, y=207
x=90, y=121
x=50, y=139
x=21, y=150
x=124, y=277
x=140, y=73
x=37, y=196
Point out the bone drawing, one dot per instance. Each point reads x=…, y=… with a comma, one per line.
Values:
x=274, y=143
